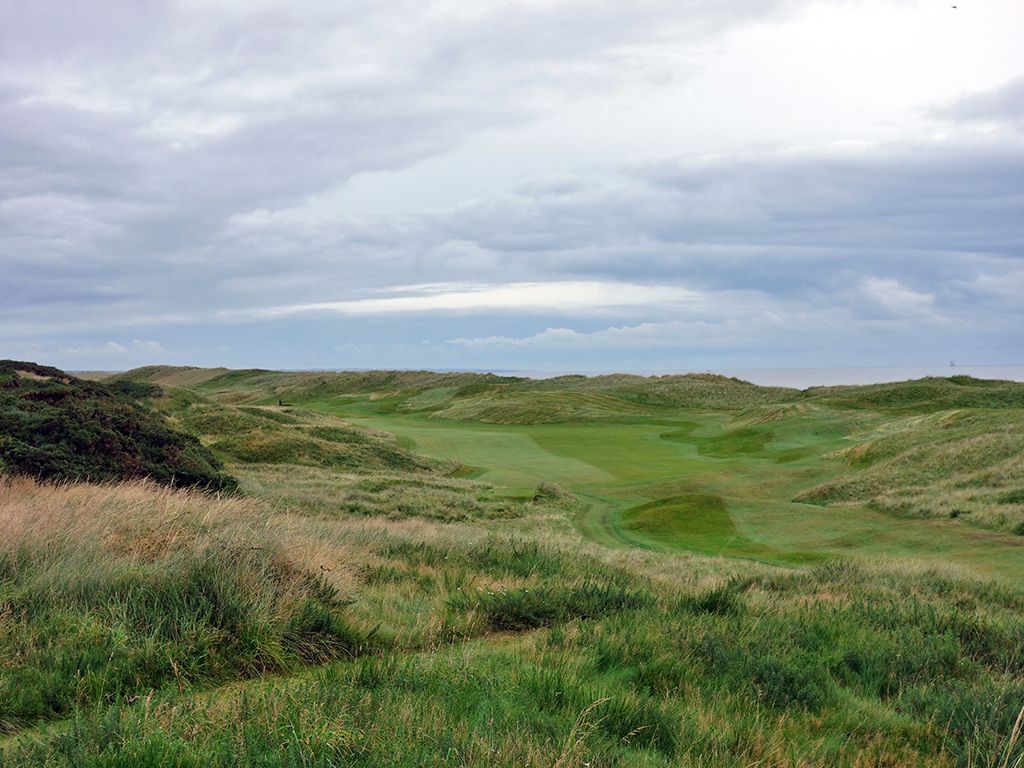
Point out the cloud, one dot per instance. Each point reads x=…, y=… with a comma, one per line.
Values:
x=137, y=349
x=560, y=172
x=552, y=297
x=999, y=105
x=894, y=297
x=644, y=335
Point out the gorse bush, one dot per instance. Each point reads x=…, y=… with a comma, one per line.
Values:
x=54, y=426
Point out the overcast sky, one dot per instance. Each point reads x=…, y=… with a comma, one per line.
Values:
x=526, y=184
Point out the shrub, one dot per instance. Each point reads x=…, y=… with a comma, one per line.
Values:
x=56, y=427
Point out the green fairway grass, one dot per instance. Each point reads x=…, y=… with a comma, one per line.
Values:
x=615, y=466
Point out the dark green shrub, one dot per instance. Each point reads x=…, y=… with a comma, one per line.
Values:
x=56, y=427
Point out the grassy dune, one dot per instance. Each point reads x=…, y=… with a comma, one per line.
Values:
x=804, y=476
x=437, y=569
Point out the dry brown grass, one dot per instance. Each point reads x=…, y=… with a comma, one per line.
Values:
x=137, y=519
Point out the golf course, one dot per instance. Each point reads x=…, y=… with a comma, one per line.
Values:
x=732, y=475
x=418, y=568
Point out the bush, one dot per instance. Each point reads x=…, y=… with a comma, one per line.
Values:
x=56, y=427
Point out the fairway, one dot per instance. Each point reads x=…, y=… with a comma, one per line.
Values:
x=697, y=481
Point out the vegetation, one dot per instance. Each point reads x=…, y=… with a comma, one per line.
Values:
x=54, y=426
x=962, y=463
x=634, y=587
x=113, y=591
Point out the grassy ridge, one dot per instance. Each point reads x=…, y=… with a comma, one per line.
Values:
x=472, y=396
x=270, y=435
x=964, y=463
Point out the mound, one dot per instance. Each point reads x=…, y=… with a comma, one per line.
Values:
x=966, y=464
x=700, y=517
x=486, y=398
x=691, y=390
x=507, y=406
x=56, y=426
x=282, y=435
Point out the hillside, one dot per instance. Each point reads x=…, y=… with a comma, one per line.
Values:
x=965, y=464
x=949, y=448
x=472, y=396
x=927, y=395
x=285, y=435
x=56, y=427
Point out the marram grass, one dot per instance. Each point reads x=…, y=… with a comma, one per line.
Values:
x=159, y=643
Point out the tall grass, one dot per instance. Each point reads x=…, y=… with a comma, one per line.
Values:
x=109, y=591
x=126, y=607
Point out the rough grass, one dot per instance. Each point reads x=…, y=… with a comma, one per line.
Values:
x=962, y=464
x=528, y=653
x=391, y=495
x=926, y=395
x=279, y=435
x=475, y=397
x=106, y=592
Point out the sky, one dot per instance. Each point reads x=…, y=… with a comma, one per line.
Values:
x=543, y=185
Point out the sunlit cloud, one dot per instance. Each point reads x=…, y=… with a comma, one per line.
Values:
x=557, y=297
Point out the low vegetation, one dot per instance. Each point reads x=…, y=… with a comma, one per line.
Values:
x=959, y=464
x=108, y=592
x=406, y=646
x=286, y=436
x=630, y=591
